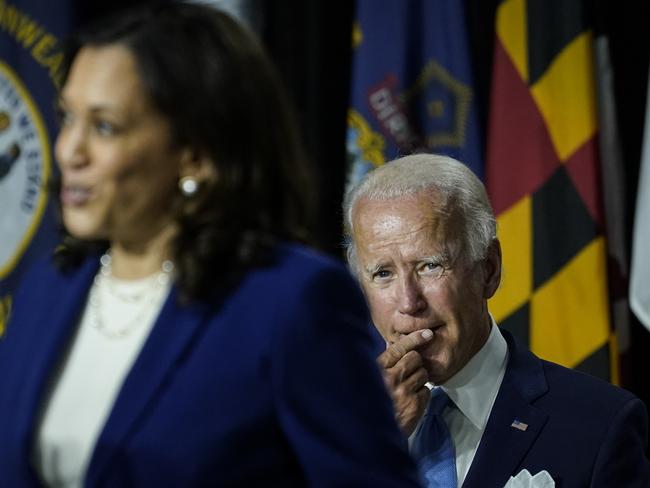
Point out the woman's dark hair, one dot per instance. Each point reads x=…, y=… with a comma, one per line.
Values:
x=213, y=81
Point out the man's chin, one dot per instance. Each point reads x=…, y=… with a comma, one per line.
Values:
x=437, y=368
x=433, y=352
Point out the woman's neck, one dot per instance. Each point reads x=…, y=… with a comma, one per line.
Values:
x=132, y=261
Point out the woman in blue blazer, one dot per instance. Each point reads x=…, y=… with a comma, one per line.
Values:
x=180, y=336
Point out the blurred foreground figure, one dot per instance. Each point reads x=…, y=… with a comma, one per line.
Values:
x=180, y=336
x=422, y=241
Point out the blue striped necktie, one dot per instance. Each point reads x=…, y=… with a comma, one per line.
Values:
x=433, y=447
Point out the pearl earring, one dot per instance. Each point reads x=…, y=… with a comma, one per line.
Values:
x=188, y=186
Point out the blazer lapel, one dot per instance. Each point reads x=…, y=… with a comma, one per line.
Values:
x=55, y=316
x=171, y=335
x=514, y=423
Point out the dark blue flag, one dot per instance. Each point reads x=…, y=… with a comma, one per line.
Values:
x=30, y=74
x=411, y=84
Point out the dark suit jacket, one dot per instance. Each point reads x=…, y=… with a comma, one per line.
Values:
x=276, y=385
x=583, y=431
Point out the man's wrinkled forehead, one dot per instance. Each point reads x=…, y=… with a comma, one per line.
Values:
x=438, y=217
x=381, y=216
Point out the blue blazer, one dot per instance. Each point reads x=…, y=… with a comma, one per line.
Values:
x=275, y=385
x=582, y=430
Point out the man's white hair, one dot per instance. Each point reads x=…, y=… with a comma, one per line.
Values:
x=452, y=186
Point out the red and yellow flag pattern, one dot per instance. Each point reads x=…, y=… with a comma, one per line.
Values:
x=543, y=179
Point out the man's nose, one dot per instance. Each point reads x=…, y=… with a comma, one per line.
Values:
x=410, y=299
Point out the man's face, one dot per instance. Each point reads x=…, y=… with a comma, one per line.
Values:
x=414, y=275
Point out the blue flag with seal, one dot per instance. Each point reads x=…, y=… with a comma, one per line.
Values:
x=31, y=70
x=412, y=86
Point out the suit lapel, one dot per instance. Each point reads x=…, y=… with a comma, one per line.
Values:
x=53, y=320
x=503, y=446
x=171, y=335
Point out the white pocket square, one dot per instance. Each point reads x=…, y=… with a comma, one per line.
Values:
x=525, y=480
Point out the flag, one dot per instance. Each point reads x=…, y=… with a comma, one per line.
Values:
x=640, y=273
x=543, y=178
x=411, y=85
x=30, y=72
x=613, y=191
x=518, y=424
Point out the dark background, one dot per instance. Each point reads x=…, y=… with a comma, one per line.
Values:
x=310, y=42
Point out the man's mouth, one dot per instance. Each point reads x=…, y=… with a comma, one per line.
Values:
x=437, y=327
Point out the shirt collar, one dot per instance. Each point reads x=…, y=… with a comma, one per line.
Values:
x=474, y=388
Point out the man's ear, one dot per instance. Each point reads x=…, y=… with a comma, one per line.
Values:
x=492, y=269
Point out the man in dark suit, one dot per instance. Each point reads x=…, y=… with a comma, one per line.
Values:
x=422, y=241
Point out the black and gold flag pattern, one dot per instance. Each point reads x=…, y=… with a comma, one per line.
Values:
x=543, y=179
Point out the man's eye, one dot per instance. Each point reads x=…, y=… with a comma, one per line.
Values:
x=432, y=268
x=381, y=274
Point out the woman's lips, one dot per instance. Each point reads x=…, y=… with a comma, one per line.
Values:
x=75, y=196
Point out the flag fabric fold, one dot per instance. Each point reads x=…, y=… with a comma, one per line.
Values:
x=640, y=269
x=615, y=208
x=412, y=86
x=543, y=178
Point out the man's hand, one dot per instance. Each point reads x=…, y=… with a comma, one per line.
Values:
x=405, y=378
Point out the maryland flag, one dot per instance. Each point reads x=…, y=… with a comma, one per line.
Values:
x=30, y=72
x=542, y=175
x=412, y=84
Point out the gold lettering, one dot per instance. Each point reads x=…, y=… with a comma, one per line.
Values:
x=33, y=37
x=42, y=47
x=10, y=19
x=54, y=63
x=5, y=309
x=58, y=79
x=28, y=31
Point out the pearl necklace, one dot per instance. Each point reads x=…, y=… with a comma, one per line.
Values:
x=138, y=301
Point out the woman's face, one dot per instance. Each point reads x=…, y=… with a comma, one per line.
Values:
x=119, y=165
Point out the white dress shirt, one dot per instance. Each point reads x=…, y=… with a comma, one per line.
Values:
x=473, y=391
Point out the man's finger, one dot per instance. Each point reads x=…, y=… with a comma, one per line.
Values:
x=423, y=396
x=406, y=343
x=415, y=381
x=406, y=366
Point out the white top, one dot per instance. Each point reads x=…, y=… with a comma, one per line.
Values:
x=114, y=326
x=473, y=390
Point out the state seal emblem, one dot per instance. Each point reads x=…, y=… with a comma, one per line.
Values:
x=25, y=164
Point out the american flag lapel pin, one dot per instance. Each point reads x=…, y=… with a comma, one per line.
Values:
x=518, y=424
